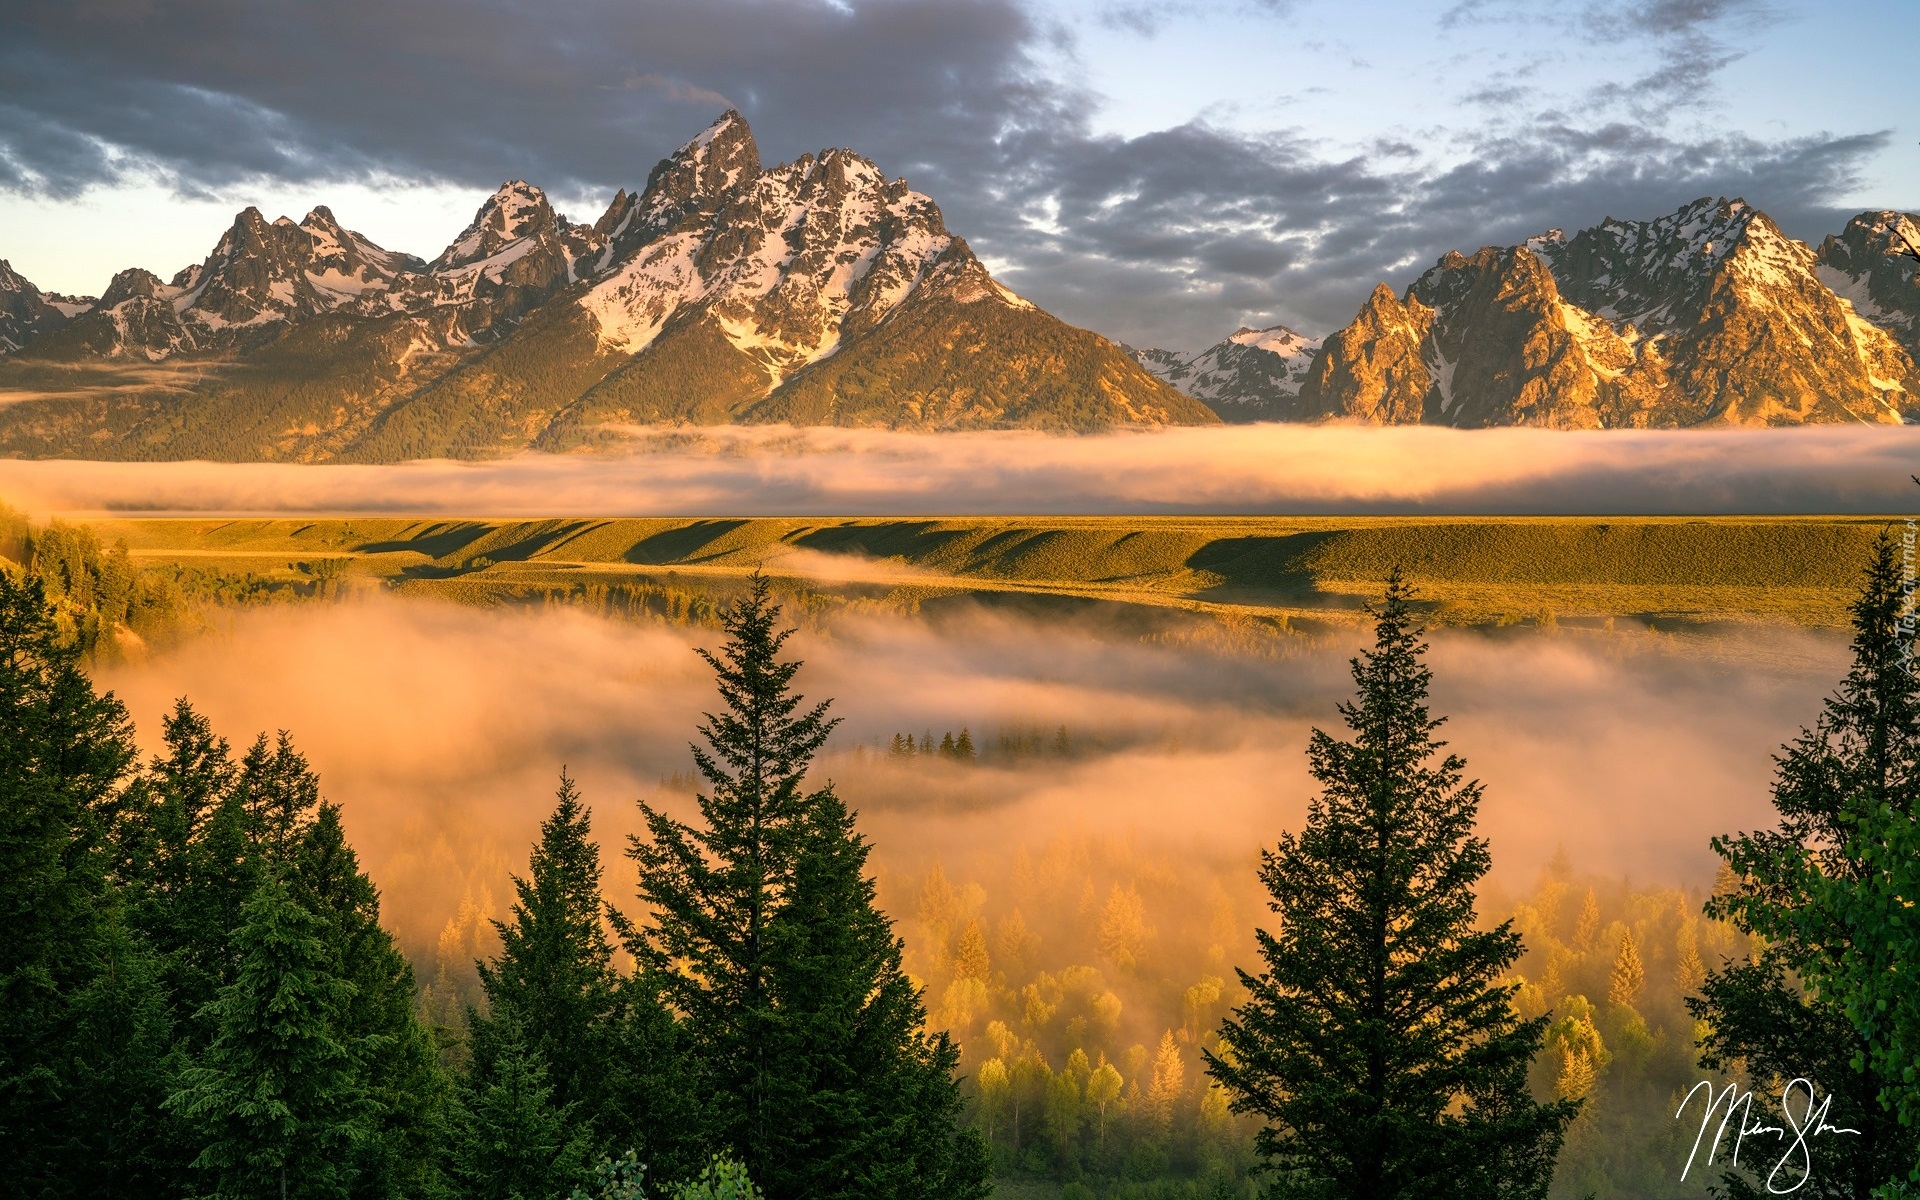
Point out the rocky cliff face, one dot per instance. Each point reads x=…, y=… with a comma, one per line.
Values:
x=25, y=312
x=721, y=291
x=1251, y=375
x=1874, y=265
x=1708, y=316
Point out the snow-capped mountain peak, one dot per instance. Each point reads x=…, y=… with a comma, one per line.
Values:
x=784, y=261
x=1251, y=375
x=1707, y=315
x=515, y=212
x=25, y=313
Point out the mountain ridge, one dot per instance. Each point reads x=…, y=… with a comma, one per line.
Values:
x=718, y=292
x=1709, y=315
x=820, y=291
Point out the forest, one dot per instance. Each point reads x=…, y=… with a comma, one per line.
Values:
x=204, y=996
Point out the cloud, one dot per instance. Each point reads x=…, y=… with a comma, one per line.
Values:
x=1169, y=237
x=1246, y=469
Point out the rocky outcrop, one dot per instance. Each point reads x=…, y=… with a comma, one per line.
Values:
x=1708, y=316
x=1251, y=375
x=818, y=290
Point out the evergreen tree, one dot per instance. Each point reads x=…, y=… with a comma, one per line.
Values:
x=186, y=880
x=713, y=890
x=280, y=794
x=513, y=1141
x=1377, y=1043
x=1815, y=887
x=118, y=1067
x=607, y=1045
x=555, y=968
x=867, y=1105
x=65, y=754
x=277, y=1100
x=405, y=1091
x=802, y=1031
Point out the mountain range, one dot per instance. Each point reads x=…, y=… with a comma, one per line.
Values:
x=820, y=292
x=1707, y=316
x=814, y=292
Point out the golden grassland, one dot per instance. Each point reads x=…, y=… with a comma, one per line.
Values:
x=1661, y=571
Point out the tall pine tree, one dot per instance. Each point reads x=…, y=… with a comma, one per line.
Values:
x=1377, y=1043
x=75, y=983
x=713, y=890
x=407, y=1095
x=607, y=1048
x=800, y=1027
x=278, y=1099
x=1815, y=888
x=186, y=870
x=867, y=1105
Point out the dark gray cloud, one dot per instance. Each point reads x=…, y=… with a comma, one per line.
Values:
x=1172, y=237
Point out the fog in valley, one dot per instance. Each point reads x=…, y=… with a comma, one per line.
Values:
x=442, y=729
x=778, y=471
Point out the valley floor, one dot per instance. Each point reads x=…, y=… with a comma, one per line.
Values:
x=1298, y=573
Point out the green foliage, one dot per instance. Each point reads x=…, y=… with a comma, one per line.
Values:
x=804, y=1034
x=278, y=1099
x=65, y=967
x=622, y=1178
x=1377, y=1043
x=713, y=890
x=101, y=602
x=723, y=1179
x=866, y=1103
x=512, y=1141
x=1830, y=889
x=607, y=1046
x=199, y=834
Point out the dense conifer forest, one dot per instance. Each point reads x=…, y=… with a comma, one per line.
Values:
x=201, y=999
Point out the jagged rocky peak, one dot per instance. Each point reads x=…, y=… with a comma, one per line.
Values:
x=516, y=210
x=25, y=312
x=1708, y=315
x=1656, y=273
x=256, y=273
x=134, y=283
x=338, y=251
x=697, y=175
x=12, y=282
x=1874, y=264
x=786, y=260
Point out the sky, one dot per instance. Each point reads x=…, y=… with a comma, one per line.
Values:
x=1161, y=172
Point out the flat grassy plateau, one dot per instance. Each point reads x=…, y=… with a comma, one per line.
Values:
x=1661, y=572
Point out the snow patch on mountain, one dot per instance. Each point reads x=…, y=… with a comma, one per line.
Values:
x=792, y=259
x=1247, y=376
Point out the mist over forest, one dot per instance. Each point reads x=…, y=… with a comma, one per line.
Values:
x=1067, y=795
x=1066, y=817
x=440, y=728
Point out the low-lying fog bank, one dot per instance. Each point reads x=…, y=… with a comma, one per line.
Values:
x=441, y=730
x=772, y=471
